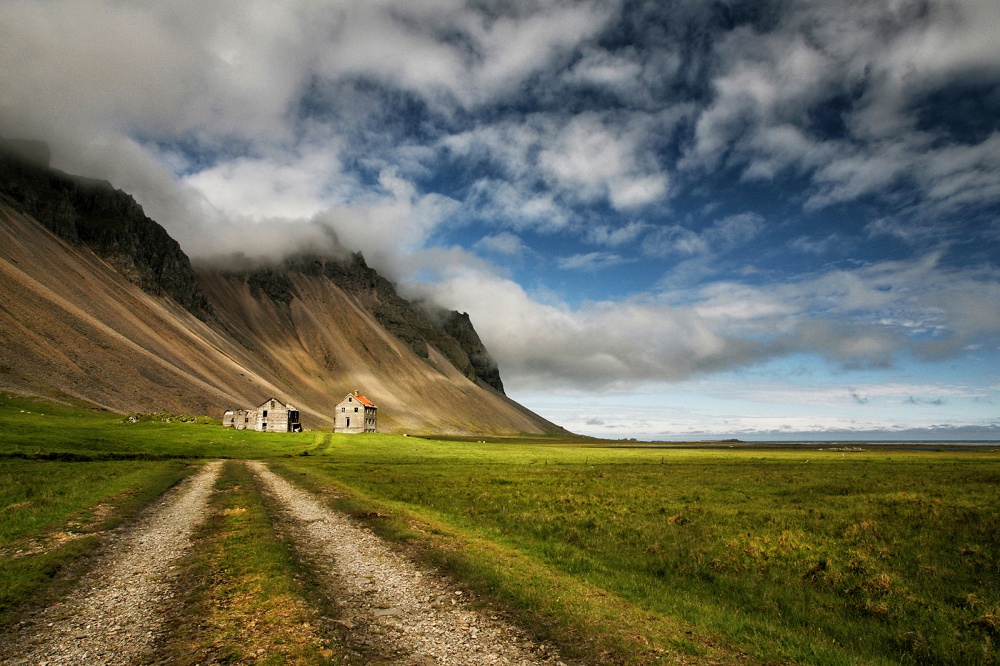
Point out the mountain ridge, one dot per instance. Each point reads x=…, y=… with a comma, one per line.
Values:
x=107, y=220
x=84, y=318
x=418, y=325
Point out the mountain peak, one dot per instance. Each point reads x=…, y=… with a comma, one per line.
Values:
x=416, y=324
x=108, y=221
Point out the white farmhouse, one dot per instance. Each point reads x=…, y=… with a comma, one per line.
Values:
x=355, y=414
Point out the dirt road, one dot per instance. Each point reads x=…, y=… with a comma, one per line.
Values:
x=117, y=612
x=410, y=615
x=394, y=612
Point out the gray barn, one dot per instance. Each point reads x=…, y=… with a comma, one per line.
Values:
x=272, y=415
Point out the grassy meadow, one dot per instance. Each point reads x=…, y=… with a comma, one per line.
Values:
x=826, y=557
x=621, y=555
x=38, y=429
x=68, y=472
x=244, y=602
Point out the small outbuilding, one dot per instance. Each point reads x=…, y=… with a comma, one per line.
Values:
x=237, y=418
x=355, y=414
x=272, y=415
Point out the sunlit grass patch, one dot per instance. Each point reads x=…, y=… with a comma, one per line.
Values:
x=37, y=429
x=245, y=605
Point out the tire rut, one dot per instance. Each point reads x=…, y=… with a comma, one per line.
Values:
x=396, y=612
x=117, y=612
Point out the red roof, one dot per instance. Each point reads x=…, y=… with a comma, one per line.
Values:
x=364, y=401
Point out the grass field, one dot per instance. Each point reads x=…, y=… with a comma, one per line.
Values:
x=827, y=557
x=40, y=429
x=50, y=512
x=67, y=472
x=885, y=556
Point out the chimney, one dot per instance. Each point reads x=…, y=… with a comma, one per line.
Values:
x=356, y=392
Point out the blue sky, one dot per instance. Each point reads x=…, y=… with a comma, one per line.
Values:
x=667, y=220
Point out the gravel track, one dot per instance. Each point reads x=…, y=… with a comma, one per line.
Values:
x=402, y=614
x=117, y=612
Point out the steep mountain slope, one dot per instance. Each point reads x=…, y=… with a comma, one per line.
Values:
x=322, y=339
x=451, y=333
x=108, y=221
x=100, y=323
x=72, y=325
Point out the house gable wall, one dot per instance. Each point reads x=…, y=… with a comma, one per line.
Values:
x=353, y=416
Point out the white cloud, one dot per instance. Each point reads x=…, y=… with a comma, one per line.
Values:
x=616, y=236
x=506, y=204
x=721, y=236
x=870, y=317
x=389, y=223
x=504, y=243
x=814, y=245
x=596, y=157
x=875, y=61
x=592, y=261
x=283, y=186
x=447, y=49
x=601, y=344
x=552, y=162
x=619, y=73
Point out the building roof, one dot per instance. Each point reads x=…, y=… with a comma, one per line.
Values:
x=264, y=404
x=354, y=395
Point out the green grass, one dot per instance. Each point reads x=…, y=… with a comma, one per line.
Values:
x=69, y=471
x=623, y=555
x=38, y=429
x=245, y=604
x=790, y=556
x=49, y=512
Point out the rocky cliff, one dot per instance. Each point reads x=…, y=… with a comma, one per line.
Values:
x=419, y=326
x=95, y=214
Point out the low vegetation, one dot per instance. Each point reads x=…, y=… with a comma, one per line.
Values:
x=884, y=556
x=69, y=472
x=41, y=430
x=51, y=511
x=623, y=555
x=246, y=603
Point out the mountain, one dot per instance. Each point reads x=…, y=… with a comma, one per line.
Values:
x=89, y=212
x=97, y=302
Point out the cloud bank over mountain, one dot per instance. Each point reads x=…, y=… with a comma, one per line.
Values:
x=623, y=195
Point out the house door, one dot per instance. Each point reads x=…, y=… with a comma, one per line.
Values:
x=348, y=422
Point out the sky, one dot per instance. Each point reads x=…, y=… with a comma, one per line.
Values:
x=667, y=220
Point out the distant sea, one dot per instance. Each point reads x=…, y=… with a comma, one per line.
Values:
x=806, y=444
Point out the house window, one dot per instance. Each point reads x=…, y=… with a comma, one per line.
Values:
x=355, y=410
x=343, y=409
x=265, y=413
